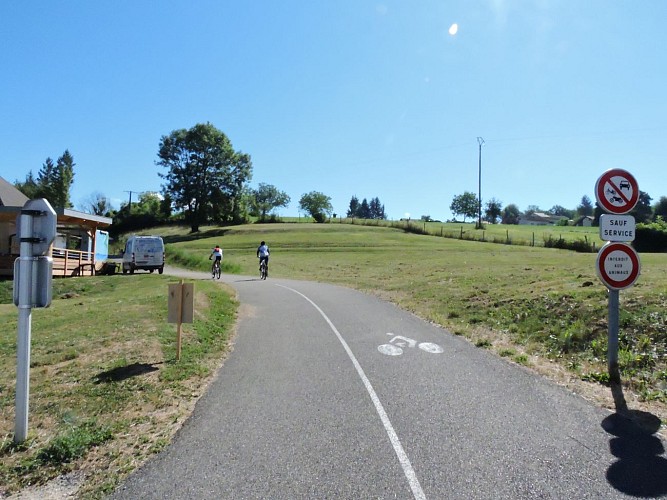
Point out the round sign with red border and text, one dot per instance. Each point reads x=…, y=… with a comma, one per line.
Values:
x=617, y=191
x=617, y=265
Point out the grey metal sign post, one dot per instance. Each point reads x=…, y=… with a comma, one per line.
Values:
x=617, y=265
x=618, y=268
x=36, y=227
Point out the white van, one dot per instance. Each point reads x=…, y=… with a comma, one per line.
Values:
x=143, y=252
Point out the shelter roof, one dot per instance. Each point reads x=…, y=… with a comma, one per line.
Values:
x=76, y=218
x=12, y=201
x=10, y=196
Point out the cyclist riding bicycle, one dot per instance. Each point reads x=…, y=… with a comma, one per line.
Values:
x=263, y=254
x=217, y=253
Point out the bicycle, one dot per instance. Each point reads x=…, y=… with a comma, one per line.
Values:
x=262, y=270
x=215, y=269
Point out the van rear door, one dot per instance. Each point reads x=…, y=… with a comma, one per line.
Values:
x=148, y=252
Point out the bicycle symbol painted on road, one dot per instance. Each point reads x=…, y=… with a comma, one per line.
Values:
x=396, y=345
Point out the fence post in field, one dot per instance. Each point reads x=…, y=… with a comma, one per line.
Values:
x=533, y=239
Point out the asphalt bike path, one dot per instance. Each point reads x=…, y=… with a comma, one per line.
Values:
x=331, y=393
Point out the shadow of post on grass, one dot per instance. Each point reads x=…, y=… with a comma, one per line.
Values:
x=124, y=372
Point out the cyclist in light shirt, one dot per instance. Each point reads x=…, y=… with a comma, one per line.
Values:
x=217, y=253
x=263, y=254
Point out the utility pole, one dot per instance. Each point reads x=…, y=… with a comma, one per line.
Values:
x=480, y=141
x=129, y=206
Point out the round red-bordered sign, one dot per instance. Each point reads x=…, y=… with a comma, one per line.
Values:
x=617, y=191
x=617, y=265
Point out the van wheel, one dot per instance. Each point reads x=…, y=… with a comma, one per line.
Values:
x=152, y=271
x=160, y=270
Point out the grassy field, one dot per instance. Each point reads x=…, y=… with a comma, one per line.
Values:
x=544, y=302
x=536, y=236
x=106, y=391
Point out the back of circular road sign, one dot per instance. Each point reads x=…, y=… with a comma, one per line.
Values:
x=617, y=265
x=617, y=191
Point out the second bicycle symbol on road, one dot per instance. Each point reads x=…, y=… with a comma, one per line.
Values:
x=398, y=343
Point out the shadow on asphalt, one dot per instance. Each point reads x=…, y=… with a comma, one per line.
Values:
x=125, y=372
x=640, y=470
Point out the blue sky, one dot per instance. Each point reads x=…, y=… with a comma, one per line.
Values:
x=346, y=97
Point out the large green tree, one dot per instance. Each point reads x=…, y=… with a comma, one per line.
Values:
x=660, y=209
x=62, y=181
x=561, y=211
x=53, y=181
x=353, y=211
x=267, y=198
x=29, y=187
x=643, y=212
x=531, y=209
x=45, y=177
x=366, y=210
x=317, y=204
x=511, y=214
x=465, y=204
x=97, y=204
x=585, y=207
x=228, y=203
x=205, y=177
x=493, y=210
x=149, y=203
x=376, y=209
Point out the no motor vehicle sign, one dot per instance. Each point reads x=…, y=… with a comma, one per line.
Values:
x=617, y=265
x=617, y=191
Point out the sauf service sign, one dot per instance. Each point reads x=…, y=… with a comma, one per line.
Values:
x=617, y=227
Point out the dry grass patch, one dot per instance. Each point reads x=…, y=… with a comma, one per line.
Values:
x=106, y=390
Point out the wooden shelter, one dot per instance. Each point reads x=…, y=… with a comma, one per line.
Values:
x=75, y=251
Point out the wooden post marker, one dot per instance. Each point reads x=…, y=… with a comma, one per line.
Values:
x=180, y=309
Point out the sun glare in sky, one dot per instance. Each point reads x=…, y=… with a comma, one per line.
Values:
x=453, y=29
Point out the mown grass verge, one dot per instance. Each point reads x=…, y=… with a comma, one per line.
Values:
x=106, y=390
x=577, y=238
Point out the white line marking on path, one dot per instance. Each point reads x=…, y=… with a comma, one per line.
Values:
x=393, y=437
